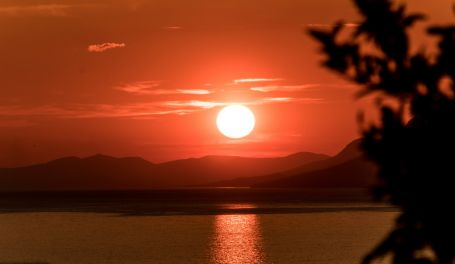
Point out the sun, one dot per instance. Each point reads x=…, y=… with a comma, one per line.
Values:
x=235, y=121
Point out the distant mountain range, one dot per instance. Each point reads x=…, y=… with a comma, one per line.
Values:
x=100, y=172
x=347, y=169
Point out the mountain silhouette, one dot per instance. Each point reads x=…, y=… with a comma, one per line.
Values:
x=347, y=169
x=101, y=172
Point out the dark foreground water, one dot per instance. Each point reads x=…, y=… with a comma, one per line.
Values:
x=203, y=226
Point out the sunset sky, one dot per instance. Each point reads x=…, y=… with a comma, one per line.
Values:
x=147, y=78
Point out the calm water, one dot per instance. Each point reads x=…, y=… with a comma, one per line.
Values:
x=313, y=236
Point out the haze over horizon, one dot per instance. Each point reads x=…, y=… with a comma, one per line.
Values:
x=136, y=78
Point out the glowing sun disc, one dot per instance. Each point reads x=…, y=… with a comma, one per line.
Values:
x=235, y=121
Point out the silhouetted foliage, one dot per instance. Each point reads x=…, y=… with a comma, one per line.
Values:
x=414, y=143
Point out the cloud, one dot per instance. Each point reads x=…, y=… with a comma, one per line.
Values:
x=300, y=87
x=211, y=104
x=150, y=88
x=180, y=91
x=173, y=27
x=105, y=46
x=289, y=99
x=189, y=101
x=277, y=99
x=136, y=110
x=254, y=80
x=195, y=104
x=79, y=110
x=284, y=88
x=349, y=25
x=174, y=111
x=28, y=115
x=143, y=87
x=194, y=91
x=44, y=10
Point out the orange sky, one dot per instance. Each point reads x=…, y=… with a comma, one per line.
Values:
x=146, y=78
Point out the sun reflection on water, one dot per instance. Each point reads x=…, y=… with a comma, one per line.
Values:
x=236, y=240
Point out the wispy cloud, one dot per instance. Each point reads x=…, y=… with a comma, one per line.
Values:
x=284, y=88
x=256, y=80
x=195, y=104
x=186, y=102
x=151, y=87
x=42, y=9
x=290, y=99
x=212, y=104
x=300, y=87
x=27, y=115
x=105, y=46
x=174, y=112
x=278, y=99
x=143, y=87
x=173, y=27
x=82, y=110
x=194, y=91
x=179, y=91
x=320, y=25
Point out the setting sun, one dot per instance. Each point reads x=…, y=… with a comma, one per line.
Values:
x=235, y=121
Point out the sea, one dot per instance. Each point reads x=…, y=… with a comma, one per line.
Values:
x=219, y=226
